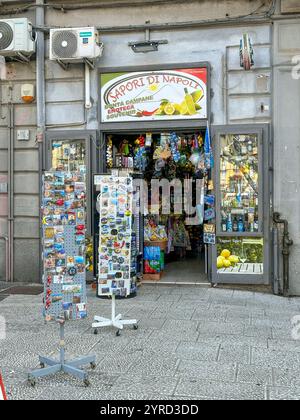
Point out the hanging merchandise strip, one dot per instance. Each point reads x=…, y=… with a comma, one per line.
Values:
x=117, y=241
x=64, y=248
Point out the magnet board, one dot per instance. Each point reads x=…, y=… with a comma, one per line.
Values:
x=117, y=241
x=64, y=248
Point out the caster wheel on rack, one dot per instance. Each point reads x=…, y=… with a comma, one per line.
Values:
x=86, y=383
x=93, y=365
x=32, y=382
x=42, y=365
x=95, y=331
x=118, y=333
x=135, y=327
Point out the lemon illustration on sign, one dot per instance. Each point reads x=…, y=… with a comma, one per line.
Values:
x=169, y=109
x=153, y=87
x=197, y=95
x=160, y=110
x=225, y=253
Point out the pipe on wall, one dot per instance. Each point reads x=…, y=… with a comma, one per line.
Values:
x=10, y=170
x=7, y=276
x=286, y=244
x=41, y=104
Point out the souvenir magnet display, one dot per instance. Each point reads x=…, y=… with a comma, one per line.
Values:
x=117, y=264
x=63, y=210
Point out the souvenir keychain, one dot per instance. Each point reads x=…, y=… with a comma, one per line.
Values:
x=109, y=152
x=174, y=147
x=139, y=158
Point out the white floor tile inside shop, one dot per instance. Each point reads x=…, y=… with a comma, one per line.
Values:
x=192, y=343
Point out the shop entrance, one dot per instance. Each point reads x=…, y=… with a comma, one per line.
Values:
x=171, y=167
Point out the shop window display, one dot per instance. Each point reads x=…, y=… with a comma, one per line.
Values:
x=240, y=255
x=239, y=183
x=172, y=157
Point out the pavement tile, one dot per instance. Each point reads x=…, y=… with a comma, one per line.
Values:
x=284, y=394
x=209, y=315
x=145, y=384
x=197, y=351
x=234, y=354
x=275, y=358
x=219, y=390
x=233, y=340
x=287, y=377
x=154, y=364
x=206, y=370
x=176, y=314
x=258, y=331
x=214, y=328
x=284, y=345
x=254, y=375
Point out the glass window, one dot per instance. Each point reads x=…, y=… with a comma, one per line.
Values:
x=239, y=183
x=68, y=155
x=236, y=255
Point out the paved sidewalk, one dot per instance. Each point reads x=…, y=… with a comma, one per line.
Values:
x=192, y=343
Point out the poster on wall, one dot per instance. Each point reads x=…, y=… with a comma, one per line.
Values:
x=64, y=249
x=179, y=94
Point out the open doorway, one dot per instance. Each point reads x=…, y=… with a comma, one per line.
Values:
x=170, y=165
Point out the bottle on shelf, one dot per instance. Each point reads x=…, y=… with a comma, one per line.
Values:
x=241, y=226
x=224, y=224
x=229, y=223
x=235, y=225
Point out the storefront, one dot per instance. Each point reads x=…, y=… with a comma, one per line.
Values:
x=213, y=215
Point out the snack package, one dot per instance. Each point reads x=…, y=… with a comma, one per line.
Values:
x=152, y=267
x=152, y=253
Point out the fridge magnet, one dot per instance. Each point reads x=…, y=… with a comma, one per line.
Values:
x=209, y=238
x=209, y=228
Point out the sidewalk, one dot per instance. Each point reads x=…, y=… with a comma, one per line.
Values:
x=192, y=343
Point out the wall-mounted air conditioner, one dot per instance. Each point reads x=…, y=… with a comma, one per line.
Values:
x=16, y=38
x=74, y=44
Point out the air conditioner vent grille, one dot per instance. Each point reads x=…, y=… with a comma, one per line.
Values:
x=64, y=44
x=6, y=35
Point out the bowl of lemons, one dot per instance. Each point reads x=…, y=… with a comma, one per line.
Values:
x=226, y=259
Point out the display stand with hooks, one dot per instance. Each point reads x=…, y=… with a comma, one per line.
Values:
x=61, y=365
x=117, y=261
x=115, y=321
x=64, y=277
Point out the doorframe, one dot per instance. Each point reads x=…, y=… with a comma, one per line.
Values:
x=266, y=197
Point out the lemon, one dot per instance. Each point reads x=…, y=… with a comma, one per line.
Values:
x=197, y=95
x=225, y=253
x=226, y=263
x=160, y=111
x=220, y=262
x=233, y=259
x=169, y=109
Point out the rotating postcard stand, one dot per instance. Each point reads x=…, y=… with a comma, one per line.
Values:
x=63, y=209
x=117, y=259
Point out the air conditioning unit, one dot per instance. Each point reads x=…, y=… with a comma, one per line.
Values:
x=16, y=37
x=75, y=44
